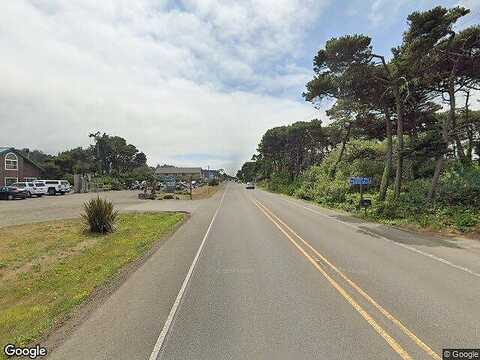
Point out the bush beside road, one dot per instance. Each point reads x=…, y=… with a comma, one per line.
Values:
x=456, y=210
x=48, y=269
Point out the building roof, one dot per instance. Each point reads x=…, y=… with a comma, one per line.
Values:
x=7, y=149
x=177, y=170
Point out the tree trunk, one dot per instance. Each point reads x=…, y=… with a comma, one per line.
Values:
x=469, y=130
x=453, y=124
x=441, y=159
x=436, y=178
x=388, y=158
x=342, y=150
x=413, y=146
x=399, y=170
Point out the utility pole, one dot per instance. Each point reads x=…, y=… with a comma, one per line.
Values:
x=96, y=137
x=191, y=187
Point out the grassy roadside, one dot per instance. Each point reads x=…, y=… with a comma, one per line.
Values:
x=46, y=269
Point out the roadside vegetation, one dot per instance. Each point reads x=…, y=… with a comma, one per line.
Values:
x=99, y=216
x=49, y=268
x=111, y=160
x=403, y=119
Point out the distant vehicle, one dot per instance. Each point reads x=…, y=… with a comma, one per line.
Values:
x=28, y=187
x=55, y=187
x=40, y=188
x=12, y=193
x=250, y=185
x=135, y=185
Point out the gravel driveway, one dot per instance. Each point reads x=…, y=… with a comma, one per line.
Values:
x=70, y=206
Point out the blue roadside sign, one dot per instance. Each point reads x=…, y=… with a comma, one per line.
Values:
x=358, y=180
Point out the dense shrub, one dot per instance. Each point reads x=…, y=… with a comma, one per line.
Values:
x=465, y=219
x=99, y=216
x=109, y=183
x=69, y=178
x=280, y=183
x=456, y=206
x=460, y=186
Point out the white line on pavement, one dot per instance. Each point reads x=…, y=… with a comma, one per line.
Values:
x=173, y=310
x=420, y=252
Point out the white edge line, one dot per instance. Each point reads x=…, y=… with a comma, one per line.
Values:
x=431, y=256
x=173, y=310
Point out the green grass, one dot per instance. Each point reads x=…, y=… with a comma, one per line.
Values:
x=49, y=268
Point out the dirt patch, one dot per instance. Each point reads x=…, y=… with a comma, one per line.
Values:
x=204, y=192
x=448, y=233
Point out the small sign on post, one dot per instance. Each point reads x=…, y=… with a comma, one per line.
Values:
x=358, y=180
x=362, y=181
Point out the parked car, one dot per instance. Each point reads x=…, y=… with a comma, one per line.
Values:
x=67, y=186
x=55, y=187
x=40, y=188
x=135, y=185
x=250, y=185
x=28, y=187
x=12, y=193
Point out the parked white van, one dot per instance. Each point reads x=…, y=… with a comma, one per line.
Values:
x=55, y=187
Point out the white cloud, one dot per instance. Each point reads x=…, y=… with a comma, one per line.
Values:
x=385, y=11
x=165, y=76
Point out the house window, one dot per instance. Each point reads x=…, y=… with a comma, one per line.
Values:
x=10, y=180
x=11, y=161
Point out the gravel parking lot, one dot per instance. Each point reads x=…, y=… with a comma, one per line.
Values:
x=70, y=206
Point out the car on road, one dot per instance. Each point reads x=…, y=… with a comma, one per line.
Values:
x=12, y=193
x=55, y=187
x=28, y=187
x=250, y=185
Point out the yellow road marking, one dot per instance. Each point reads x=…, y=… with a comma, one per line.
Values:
x=383, y=311
x=390, y=340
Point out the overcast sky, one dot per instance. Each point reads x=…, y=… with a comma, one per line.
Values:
x=190, y=82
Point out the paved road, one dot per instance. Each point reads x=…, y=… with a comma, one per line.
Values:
x=276, y=278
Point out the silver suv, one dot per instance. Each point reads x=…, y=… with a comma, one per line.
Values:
x=28, y=187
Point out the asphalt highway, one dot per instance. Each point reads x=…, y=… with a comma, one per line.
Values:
x=263, y=276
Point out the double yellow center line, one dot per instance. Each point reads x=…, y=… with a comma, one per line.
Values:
x=291, y=235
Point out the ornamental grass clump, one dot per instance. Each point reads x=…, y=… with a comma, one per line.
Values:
x=99, y=216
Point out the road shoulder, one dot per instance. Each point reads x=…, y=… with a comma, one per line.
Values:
x=140, y=305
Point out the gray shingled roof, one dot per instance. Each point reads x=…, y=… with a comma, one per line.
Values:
x=4, y=149
x=177, y=170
